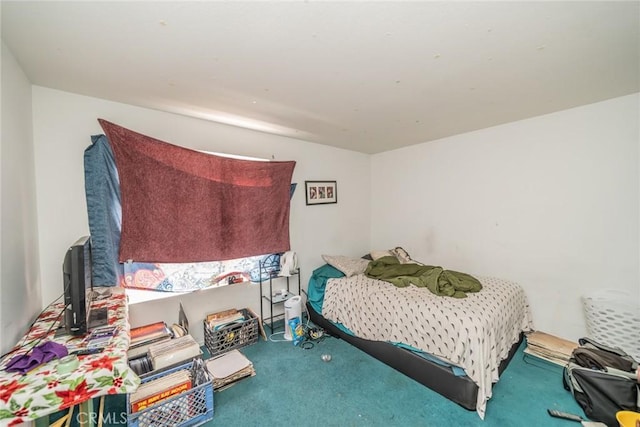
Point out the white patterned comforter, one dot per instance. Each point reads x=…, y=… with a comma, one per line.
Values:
x=474, y=333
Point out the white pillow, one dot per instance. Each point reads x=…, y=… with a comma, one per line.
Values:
x=379, y=254
x=349, y=266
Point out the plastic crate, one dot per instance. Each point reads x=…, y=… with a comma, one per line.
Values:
x=190, y=408
x=232, y=336
x=613, y=319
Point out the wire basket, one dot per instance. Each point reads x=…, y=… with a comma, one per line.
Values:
x=613, y=320
x=189, y=408
x=232, y=336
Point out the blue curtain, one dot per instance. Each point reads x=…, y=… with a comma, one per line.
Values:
x=102, y=189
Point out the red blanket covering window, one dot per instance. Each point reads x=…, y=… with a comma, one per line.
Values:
x=181, y=205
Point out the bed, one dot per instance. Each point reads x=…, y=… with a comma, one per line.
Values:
x=457, y=347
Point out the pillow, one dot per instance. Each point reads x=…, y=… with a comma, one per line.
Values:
x=349, y=266
x=402, y=255
x=379, y=254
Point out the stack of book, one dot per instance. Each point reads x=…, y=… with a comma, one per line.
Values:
x=221, y=319
x=144, y=336
x=548, y=347
x=229, y=368
x=160, y=389
x=172, y=352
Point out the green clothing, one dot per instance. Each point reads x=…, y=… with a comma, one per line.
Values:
x=436, y=279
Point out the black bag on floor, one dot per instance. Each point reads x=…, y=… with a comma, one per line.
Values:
x=602, y=380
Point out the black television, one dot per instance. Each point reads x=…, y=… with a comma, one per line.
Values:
x=76, y=273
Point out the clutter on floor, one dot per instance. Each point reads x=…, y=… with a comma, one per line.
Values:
x=603, y=380
x=550, y=348
x=229, y=368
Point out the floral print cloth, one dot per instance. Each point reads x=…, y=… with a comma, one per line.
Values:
x=187, y=277
x=43, y=391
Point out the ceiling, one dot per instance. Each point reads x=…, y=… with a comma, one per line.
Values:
x=364, y=76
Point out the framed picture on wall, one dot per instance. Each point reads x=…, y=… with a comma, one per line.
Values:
x=321, y=192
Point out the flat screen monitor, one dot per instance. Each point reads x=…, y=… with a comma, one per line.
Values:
x=76, y=272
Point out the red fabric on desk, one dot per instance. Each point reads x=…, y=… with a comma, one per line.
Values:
x=181, y=205
x=43, y=391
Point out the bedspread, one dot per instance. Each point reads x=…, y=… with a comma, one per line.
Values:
x=474, y=333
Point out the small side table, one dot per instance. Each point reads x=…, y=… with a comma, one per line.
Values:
x=275, y=297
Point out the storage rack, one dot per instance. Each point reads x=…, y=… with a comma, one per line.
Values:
x=270, y=268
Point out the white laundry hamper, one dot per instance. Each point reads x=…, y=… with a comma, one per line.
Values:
x=613, y=319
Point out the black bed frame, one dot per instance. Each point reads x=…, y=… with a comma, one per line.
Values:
x=461, y=390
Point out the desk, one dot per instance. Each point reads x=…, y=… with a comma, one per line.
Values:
x=42, y=391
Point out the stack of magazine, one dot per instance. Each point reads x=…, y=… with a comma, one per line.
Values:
x=229, y=368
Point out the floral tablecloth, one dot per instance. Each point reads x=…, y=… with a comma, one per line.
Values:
x=43, y=391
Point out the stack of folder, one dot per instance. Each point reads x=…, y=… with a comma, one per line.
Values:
x=229, y=368
x=172, y=352
x=548, y=347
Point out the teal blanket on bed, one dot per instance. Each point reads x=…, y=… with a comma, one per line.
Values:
x=317, y=283
x=438, y=280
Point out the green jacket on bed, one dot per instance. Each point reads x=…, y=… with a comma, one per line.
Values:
x=436, y=279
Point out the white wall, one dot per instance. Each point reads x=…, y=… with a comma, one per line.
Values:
x=550, y=202
x=20, y=300
x=63, y=124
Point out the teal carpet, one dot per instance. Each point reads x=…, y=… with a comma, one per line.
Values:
x=293, y=386
x=296, y=386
